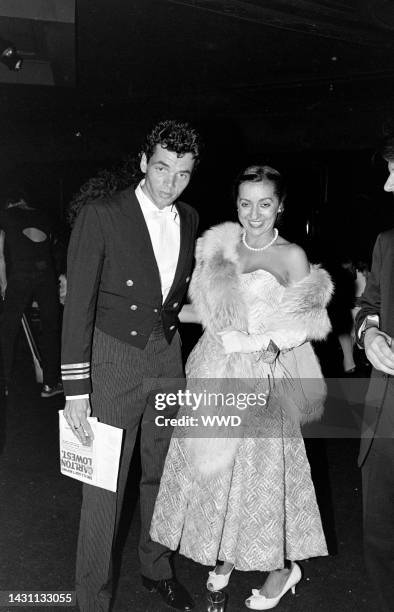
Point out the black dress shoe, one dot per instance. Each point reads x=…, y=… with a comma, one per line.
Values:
x=172, y=592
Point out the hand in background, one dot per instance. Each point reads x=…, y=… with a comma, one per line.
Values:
x=377, y=346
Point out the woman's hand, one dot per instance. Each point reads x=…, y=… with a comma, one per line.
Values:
x=235, y=341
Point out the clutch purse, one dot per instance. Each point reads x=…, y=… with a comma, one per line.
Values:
x=269, y=354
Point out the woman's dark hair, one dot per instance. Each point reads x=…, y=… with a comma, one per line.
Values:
x=103, y=185
x=256, y=174
x=177, y=136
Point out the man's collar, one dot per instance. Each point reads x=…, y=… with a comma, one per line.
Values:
x=149, y=207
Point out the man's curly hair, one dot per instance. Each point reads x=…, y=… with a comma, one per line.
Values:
x=177, y=136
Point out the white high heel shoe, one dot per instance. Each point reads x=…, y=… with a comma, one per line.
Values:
x=217, y=582
x=261, y=602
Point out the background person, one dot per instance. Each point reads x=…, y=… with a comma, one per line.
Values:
x=27, y=271
x=375, y=332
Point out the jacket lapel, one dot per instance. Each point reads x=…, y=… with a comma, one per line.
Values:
x=139, y=235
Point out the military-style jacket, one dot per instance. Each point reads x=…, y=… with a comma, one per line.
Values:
x=113, y=282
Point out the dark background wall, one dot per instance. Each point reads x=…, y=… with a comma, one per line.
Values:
x=305, y=86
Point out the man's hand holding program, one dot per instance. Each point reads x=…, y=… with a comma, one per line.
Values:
x=76, y=413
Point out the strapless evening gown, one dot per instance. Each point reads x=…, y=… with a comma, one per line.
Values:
x=261, y=511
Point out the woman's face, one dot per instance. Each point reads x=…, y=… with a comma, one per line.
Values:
x=258, y=206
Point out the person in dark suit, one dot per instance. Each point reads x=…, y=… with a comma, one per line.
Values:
x=375, y=331
x=129, y=264
x=27, y=271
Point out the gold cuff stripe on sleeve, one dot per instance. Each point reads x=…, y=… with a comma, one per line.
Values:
x=74, y=366
x=75, y=376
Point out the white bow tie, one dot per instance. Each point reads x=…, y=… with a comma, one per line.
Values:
x=169, y=212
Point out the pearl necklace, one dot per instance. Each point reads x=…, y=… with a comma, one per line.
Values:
x=276, y=234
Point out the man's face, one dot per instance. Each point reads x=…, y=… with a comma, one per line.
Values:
x=389, y=184
x=166, y=175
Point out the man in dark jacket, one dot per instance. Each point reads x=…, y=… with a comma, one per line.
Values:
x=375, y=330
x=129, y=265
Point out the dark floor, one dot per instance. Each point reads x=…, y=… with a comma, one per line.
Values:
x=39, y=520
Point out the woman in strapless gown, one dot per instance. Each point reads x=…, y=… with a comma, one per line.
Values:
x=246, y=500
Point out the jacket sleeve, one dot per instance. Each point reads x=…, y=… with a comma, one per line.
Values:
x=84, y=266
x=370, y=300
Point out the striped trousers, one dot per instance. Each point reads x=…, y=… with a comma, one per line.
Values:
x=121, y=398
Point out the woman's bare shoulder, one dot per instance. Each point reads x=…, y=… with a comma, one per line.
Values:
x=295, y=260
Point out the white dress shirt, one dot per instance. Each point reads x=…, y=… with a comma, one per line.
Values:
x=164, y=231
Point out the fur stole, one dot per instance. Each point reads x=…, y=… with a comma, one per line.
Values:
x=216, y=295
x=298, y=385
